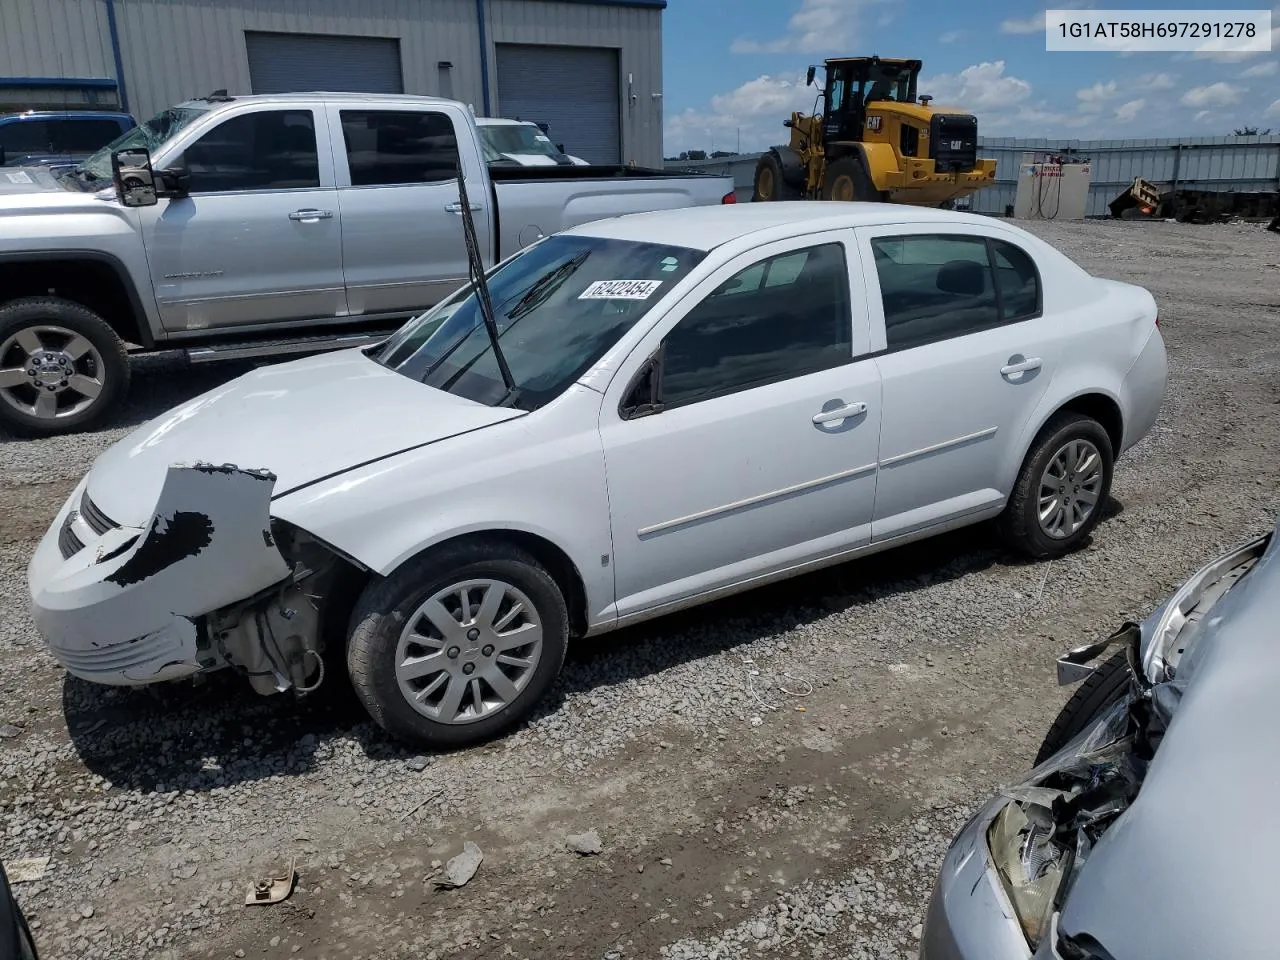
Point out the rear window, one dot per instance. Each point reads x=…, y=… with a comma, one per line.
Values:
x=26, y=136
x=84, y=135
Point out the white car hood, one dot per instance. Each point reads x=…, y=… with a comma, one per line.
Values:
x=302, y=421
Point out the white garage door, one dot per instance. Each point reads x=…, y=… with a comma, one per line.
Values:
x=574, y=90
x=300, y=62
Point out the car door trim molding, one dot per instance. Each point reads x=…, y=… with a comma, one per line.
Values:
x=755, y=501
x=936, y=447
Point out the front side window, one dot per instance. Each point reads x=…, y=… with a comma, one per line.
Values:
x=269, y=150
x=388, y=147
x=559, y=306
x=782, y=318
x=934, y=287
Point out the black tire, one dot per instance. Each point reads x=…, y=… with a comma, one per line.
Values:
x=1099, y=691
x=849, y=174
x=770, y=182
x=35, y=312
x=385, y=606
x=1019, y=524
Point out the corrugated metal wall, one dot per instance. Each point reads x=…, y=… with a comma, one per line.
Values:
x=1242, y=164
x=54, y=38
x=635, y=32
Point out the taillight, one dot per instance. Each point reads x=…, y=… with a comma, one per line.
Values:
x=730, y=197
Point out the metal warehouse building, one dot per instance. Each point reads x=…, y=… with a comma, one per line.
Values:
x=590, y=69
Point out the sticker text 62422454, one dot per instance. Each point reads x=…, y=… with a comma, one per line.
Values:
x=620, y=290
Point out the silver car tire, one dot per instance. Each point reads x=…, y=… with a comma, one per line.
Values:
x=459, y=645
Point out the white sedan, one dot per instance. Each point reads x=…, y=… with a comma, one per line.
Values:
x=705, y=400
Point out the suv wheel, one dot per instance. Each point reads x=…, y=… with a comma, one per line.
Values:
x=62, y=368
x=1062, y=489
x=459, y=645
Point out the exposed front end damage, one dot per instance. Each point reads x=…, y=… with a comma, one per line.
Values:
x=203, y=585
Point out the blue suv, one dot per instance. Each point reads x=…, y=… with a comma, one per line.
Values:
x=59, y=138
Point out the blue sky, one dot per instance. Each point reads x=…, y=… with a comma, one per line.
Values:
x=736, y=68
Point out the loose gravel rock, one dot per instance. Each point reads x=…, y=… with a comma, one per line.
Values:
x=778, y=774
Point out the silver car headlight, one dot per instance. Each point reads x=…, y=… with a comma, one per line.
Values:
x=1042, y=837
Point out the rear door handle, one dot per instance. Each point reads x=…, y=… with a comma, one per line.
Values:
x=1023, y=366
x=309, y=216
x=841, y=413
x=456, y=207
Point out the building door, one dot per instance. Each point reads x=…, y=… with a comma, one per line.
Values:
x=300, y=62
x=574, y=90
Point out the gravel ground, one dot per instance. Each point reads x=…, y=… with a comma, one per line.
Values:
x=775, y=775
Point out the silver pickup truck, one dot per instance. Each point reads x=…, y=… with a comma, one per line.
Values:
x=260, y=226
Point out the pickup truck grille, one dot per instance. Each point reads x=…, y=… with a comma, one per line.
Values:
x=953, y=143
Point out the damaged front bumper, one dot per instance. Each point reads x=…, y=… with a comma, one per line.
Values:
x=128, y=605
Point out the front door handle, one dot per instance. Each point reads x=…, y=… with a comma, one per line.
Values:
x=456, y=207
x=841, y=413
x=310, y=216
x=1022, y=366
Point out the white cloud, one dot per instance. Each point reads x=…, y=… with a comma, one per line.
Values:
x=753, y=111
x=951, y=36
x=1201, y=115
x=1273, y=110
x=1130, y=111
x=819, y=26
x=1235, y=56
x=1028, y=25
x=1156, y=81
x=1099, y=91
x=1268, y=69
x=1214, y=95
x=982, y=85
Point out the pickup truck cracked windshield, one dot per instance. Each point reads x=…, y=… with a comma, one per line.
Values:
x=623, y=419
x=280, y=224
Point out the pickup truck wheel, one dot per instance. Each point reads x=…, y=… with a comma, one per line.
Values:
x=1062, y=488
x=61, y=367
x=459, y=645
x=1099, y=691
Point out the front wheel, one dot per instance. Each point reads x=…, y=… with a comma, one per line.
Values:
x=62, y=368
x=1099, y=691
x=1062, y=488
x=459, y=645
x=847, y=180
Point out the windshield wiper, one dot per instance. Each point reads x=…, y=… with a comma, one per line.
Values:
x=475, y=266
x=546, y=285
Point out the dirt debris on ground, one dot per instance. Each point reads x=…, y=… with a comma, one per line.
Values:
x=777, y=774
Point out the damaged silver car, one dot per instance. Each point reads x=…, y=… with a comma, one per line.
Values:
x=1142, y=831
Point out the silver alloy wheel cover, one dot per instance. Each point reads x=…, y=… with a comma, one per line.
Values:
x=43, y=362
x=468, y=651
x=1070, y=488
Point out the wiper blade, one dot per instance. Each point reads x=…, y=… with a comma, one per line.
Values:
x=475, y=266
x=546, y=285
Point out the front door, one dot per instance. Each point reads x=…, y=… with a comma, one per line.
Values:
x=762, y=455
x=402, y=239
x=967, y=356
x=257, y=239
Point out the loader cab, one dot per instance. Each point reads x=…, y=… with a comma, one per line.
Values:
x=852, y=83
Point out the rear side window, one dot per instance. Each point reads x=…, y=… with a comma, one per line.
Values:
x=26, y=136
x=935, y=287
x=387, y=147
x=784, y=317
x=269, y=150
x=85, y=135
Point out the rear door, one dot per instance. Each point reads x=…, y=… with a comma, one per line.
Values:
x=402, y=241
x=967, y=354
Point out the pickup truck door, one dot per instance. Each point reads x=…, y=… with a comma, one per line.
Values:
x=402, y=241
x=762, y=457
x=966, y=355
x=257, y=239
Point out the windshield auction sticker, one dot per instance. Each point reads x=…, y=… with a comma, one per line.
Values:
x=1194, y=31
x=620, y=290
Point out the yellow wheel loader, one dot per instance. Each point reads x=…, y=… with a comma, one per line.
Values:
x=874, y=140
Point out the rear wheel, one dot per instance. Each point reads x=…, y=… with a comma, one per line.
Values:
x=769, y=183
x=62, y=368
x=1099, y=691
x=847, y=180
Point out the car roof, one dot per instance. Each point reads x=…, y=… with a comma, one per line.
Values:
x=503, y=122
x=27, y=115
x=707, y=227
x=336, y=96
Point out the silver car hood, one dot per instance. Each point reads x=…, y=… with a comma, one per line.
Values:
x=19, y=180
x=302, y=421
x=1189, y=871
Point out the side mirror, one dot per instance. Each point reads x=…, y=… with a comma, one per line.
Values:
x=175, y=179
x=809, y=75
x=134, y=179
x=560, y=147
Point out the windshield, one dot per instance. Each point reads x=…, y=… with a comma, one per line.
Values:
x=518, y=138
x=559, y=306
x=151, y=134
x=888, y=82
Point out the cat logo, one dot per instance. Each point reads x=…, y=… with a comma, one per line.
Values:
x=873, y=123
